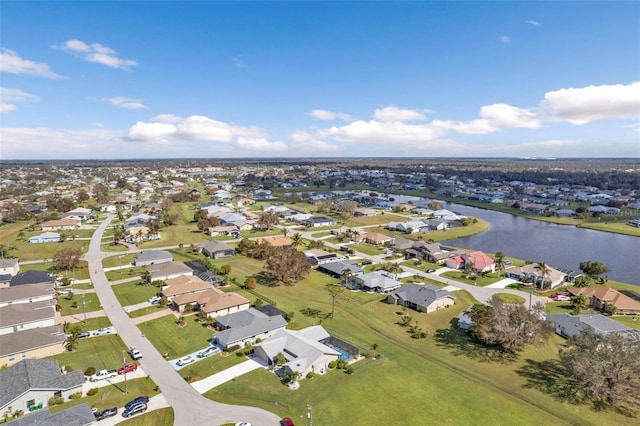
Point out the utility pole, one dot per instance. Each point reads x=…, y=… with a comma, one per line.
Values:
x=84, y=308
x=124, y=363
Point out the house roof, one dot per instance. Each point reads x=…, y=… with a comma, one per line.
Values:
x=608, y=295
x=160, y=270
x=377, y=236
x=379, y=279
x=24, y=292
x=554, y=275
x=340, y=265
x=599, y=324
x=8, y=263
x=78, y=415
x=215, y=246
x=247, y=324
x=154, y=256
x=320, y=219
x=32, y=338
x=422, y=295
x=21, y=313
x=32, y=277
x=183, y=284
x=59, y=222
x=478, y=259
x=32, y=374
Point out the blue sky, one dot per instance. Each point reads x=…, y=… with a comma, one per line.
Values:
x=315, y=79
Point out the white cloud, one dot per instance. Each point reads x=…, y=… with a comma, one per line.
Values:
x=151, y=131
x=12, y=63
x=494, y=118
x=96, y=53
x=322, y=114
x=582, y=105
x=260, y=144
x=505, y=39
x=126, y=103
x=200, y=128
x=306, y=142
x=393, y=113
x=10, y=97
x=534, y=23
x=375, y=131
x=167, y=118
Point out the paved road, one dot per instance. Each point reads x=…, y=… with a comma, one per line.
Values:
x=190, y=408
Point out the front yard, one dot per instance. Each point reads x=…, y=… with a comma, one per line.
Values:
x=78, y=304
x=176, y=341
x=134, y=292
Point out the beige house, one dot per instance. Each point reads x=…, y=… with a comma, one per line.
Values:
x=168, y=270
x=376, y=238
x=601, y=297
x=24, y=316
x=38, y=342
x=183, y=284
x=60, y=225
x=213, y=302
x=423, y=298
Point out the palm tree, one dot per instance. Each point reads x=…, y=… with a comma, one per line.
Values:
x=344, y=276
x=71, y=342
x=500, y=262
x=544, y=271
x=334, y=290
x=296, y=239
x=285, y=231
x=579, y=302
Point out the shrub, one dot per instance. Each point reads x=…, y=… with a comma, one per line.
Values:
x=90, y=371
x=55, y=400
x=310, y=375
x=349, y=369
x=75, y=395
x=286, y=379
x=341, y=364
x=233, y=348
x=92, y=391
x=332, y=364
x=68, y=368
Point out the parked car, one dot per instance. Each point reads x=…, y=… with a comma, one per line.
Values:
x=135, y=409
x=286, y=422
x=243, y=424
x=135, y=401
x=366, y=262
x=558, y=294
x=135, y=354
x=431, y=271
x=65, y=291
x=155, y=300
x=83, y=334
x=128, y=368
x=185, y=360
x=103, y=374
x=562, y=298
x=102, y=331
x=211, y=350
x=109, y=412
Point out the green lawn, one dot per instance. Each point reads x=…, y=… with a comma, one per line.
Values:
x=91, y=303
x=134, y=292
x=368, y=249
x=118, y=260
x=629, y=321
x=162, y=417
x=96, y=323
x=114, y=396
x=211, y=365
x=167, y=337
x=100, y=352
x=435, y=376
x=146, y=311
x=121, y=274
x=479, y=281
x=510, y=298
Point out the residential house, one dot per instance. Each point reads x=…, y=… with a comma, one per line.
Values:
x=167, y=270
x=79, y=214
x=24, y=316
x=530, y=273
x=217, y=250
x=183, y=284
x=201, y=271
x=567, y=325
x=245, y=327
x=303, y=350
x=42, y=278
x=9, y=267
x=152, y=257
x=378, y=281
x=423, y=298
x=27, y=293
x=46, y=237
x=602, y=297
x=221, y=230
x=319, y=221
x=476, y=261
x=319, y=257
x=635, y=222
x=37, y=342
x=336, y=269
x=376, y=238
x=60, y=224
x=77, y=415
x=31, y=382
x=436, y=224
x=365, y=211
x=604, y=210
x=212, y=301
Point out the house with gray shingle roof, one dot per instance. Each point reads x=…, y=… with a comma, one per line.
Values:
x=423, y=298
x=9, y=266
x=335, y=269
x=33, y=381
x=33, y=277
x=570, y=325
x=378, y=281
x=152, y=257
x=245, y=327
x=23, y=316
x=168, y=270
x=37, y=342
x=79, y=415
x=26, y=293
x=217, y=250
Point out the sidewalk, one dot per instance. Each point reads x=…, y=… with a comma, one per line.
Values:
x=79, y=317
x=152, y=316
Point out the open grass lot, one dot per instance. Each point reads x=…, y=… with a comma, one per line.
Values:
x=167, y=337
x=91, y=303
x=510, y=298
x=134, y=292
x=368, y=249
x=162, y=417
x=628, y=320
x=211, y=365
x=120, y=274
x=184, y=231
x=444, y=378
x=27, y=251
x=479, y=281
x=109, y=247
x=118, y=260
x=100, y=352
x=114, y=396
x=96, y=323
x=616, y=227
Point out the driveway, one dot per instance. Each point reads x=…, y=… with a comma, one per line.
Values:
x=190, y=408
x=224, y=376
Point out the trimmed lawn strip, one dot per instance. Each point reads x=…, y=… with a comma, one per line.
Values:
x=211, y=365
x=367, y=249
x=167, y=337
x=161, y=417
x=125, y=273
x=100, y=352
x=96, y=323
x=146, y=311
x=479, y=281
x=91, y=303
x=134, y=292
x=510, y=298
x=113, y=396
x=118, y=260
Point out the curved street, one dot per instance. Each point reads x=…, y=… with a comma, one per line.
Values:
x=190, y=408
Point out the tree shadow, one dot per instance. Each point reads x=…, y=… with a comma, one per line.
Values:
x=266, y=280
x=550, y=377
x=461, y=344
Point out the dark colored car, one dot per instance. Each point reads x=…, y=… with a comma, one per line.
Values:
x=135, y=409
x=109, y=412
x=83, y=334
x=136, y=401
x=431, y=271
x=366, y=262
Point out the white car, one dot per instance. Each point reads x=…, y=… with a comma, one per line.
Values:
x=211, y=350
x=562, y=299
x=102, y=331
x=243, y=424
x=185, y=360
x=155, y=300
x=65, y=291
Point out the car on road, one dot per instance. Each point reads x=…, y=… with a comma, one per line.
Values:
x=211, y=350
x=135, y=353
x=128, y=368
x=102, y=331
x=109, y=412
x=366, y=262
x=185, y=360
x=155, y=300
x=286, y=422
x=135, y=401
x=83, y=334
x=431, y=271
x=243, y=424
x=135, y=409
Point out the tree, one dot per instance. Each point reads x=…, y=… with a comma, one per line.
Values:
x=500, y=262
x=71, y=342
x=435, y=205
x=508, y=327
x=6, y=250
x=68, y=258
x=225, y=269
x=345, y=275
x=285, y=231
x=605, y=370
x=593, y=268
x=268, y=219
x=583, y=281
x=296, y=239
x=543, y=270
x=287, y=265
x=82, y=195
x=346, y=209
x=335, y=291
x=146, y=277
x=579, y=302
x=250, y=283
x=280, y=359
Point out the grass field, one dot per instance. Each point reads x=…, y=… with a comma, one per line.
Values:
x=433, y=377
x=101, y=352
x=167, y=337
x=91, y=303
x=145, y=311
x=211, y=365
x=134, y=292
x=118, y=260
x=368, y=249
x=162, y=417
x=479, y=281
x=120, y=274
x=510, y=298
